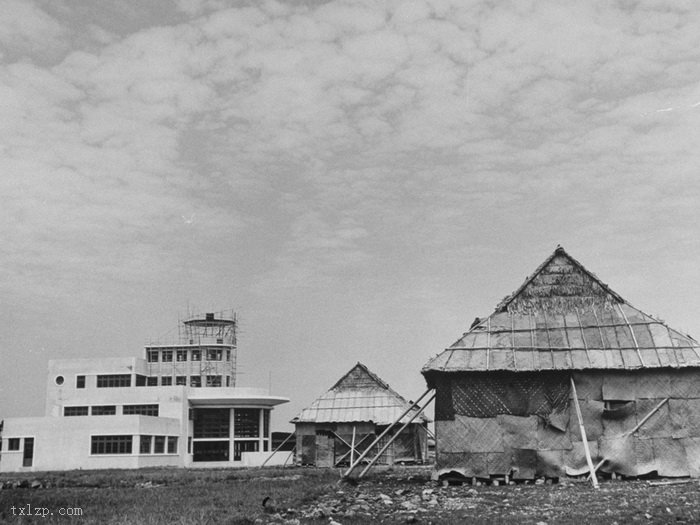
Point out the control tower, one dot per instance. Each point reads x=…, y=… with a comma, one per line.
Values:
x=203, y=356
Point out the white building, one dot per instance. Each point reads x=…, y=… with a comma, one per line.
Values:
x=178, y=407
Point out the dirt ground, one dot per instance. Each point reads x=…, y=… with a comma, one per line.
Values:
x=395, y=499
x=304, y=495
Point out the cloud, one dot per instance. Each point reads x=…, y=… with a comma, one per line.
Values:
x=402, y=156
x=27, y=30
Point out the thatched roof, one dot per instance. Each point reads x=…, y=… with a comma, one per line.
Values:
x=359, y=395
x=564, y=318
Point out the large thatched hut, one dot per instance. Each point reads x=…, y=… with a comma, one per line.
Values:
x=504, y=395
x=339, y=426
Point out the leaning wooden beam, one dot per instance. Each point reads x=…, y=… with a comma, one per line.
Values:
x=352, y=445
x=639, y=425
x=374, y=460
x=291, y=453
x=275, y=451
x=386, y=430
x=646, y=418
x=589, y=460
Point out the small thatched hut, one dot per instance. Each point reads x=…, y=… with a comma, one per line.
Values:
x=504, y=396
x=354, y=412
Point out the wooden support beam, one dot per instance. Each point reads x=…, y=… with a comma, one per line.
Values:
x=589, y=460
x=386, y=431
x=374, y=460
x=275, y=451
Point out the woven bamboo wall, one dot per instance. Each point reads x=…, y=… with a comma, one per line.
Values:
x=525, y=426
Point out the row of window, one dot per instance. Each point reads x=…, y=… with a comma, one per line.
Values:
x=219, y=450
x=166, y=356
x=124, y=380
x=216, y=422
x=111, y=410
x=124, y=444
x=194, y=381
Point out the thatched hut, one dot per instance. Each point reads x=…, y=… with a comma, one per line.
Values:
x=338, y=426
x=504, y=401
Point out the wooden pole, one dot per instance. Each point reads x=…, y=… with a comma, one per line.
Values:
x=275, y=451
x=367, y=450
x=352, y=446
x=589, y=460
x=393, y=438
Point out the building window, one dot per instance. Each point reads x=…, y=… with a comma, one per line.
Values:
x=213, y=380
x=113, y=380
x=13, y=444
x=189, y=445
x=211, y=423
x=159, y=445
x=152, y=381
x=196, y=355
x=246, y=422
x=181, y=380
x=172, y=444
x=266, y=423
x=228, y=355
x=210, y=451
x=243, y=446
x=214, y=354
x=75, y=411
x=104, y=410
x=228, y=380
x=79, y=381
x=145, y=444
x=166, y=381
x=28, y=456
x=167, y=356
x=152, y=356
x=111, y=444
x=59, y=380
x=141, y=380
x=182, y=355
x=140, y=410
x=195, y=381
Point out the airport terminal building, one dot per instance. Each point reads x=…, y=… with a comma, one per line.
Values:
x=178, y=406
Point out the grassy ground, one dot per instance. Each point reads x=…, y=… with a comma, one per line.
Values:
x=161, y=496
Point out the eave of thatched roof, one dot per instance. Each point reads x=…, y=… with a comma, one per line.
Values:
x=564, y=318
x=358, y=396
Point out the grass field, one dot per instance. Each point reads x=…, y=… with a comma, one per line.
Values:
x=169, y=496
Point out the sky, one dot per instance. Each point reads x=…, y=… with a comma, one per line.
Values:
x=357, y=179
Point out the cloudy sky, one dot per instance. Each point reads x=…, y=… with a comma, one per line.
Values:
x=358, y=179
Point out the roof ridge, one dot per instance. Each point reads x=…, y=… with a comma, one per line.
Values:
x=366, y=371
x=559, y=250
x=335, y=391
